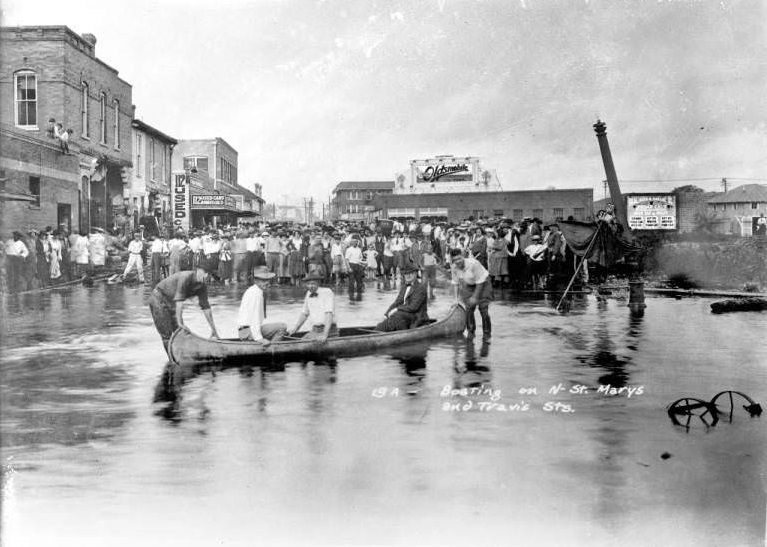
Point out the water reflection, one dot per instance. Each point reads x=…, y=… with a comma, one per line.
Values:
x=473, y=370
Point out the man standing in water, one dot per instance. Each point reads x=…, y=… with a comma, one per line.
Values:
x=472, y=285
x=167, y=300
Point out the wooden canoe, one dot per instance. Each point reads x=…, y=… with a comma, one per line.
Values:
x=185, y=347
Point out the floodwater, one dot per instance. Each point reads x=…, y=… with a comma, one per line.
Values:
x=451, y=443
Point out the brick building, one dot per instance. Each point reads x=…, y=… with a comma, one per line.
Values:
x=52, y=73
x=548, y=205
x=355, y=200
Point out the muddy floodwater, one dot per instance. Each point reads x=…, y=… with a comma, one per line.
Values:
x=555, y=432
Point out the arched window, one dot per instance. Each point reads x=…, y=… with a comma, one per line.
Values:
x=103, y=119
x=26, y=99
x=116, y=125
x=84, y=110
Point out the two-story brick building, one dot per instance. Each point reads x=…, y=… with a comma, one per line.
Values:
x=51, y=75
x=355, y=200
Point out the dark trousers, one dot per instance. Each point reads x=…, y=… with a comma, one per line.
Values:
x=485, y=296
x=396, y=321
x=356, y=274
x=156, y=268
x=164, y=316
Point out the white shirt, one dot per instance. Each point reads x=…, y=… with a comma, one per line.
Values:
x=251, y=312
x=135, y=247
x=535, y=251
x=18, y=248
x=211, y=246
x=316, y=307
x=354, y=255
x=195, y=244
x=176, y=244
x=159, y=246
x=473, y=273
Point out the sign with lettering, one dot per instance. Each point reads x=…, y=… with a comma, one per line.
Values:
x=651, y=212
x=180, y=204
x=444, y=172
x=213, y=201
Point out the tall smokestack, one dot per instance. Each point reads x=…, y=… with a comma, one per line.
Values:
x=612, y=178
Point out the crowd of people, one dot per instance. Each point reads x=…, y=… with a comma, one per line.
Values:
x=520, y=254
x=479, y=255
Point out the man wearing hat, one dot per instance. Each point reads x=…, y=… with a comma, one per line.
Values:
x=250, y=318
x=410, y=306
x=319, y=308
x=167, y=300
x=536, y=262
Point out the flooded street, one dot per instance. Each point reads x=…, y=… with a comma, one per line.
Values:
x=453, y=442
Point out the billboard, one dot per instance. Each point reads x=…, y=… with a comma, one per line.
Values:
x=443, y=171
x=651, y=211
x=180, y=202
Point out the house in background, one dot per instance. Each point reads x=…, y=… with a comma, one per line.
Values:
x=738, y=210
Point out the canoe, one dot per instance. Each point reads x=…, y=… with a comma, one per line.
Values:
x=185, y=347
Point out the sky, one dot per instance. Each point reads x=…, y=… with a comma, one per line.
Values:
x=314, y=92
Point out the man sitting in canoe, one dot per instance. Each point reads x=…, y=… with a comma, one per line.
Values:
x=252, y=312
x=410, y=306
x=167, y=300
x=319, y=307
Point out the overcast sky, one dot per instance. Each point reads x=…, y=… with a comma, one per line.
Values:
x=314, y=92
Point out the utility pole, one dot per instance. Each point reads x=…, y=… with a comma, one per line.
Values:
x=724, y=183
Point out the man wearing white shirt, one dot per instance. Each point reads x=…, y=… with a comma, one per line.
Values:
x=471, y=282
x=134, y=257
x=159, y=250
x=319, y=308
x=250, y=318
x=353, y=257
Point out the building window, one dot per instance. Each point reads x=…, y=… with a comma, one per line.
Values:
x=34, y=189
x=116, y=123
x=152, y=162
x=517, y=214
x=164, y=164
x=754, y=205
x=103, y=119
x=497, y=212
x=139, y=144
x=198, y=162
x=579, y=213
x=26, y=99
x=558, y=214
x=84, y=111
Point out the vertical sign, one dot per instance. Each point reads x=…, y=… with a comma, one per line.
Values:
x=180, y=204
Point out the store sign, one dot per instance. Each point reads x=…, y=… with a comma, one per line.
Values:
x=180, y=202
x=214, y=201
x=651, y=212
x=444, y=172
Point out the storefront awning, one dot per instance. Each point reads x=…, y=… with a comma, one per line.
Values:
x=401, y=212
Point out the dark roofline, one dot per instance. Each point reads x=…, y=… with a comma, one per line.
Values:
x=138, y=124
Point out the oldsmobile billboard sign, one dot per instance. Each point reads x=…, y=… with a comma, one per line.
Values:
x=651, y=211
x=444, y=172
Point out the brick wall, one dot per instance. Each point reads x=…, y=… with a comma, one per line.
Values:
x=462, y=205
x=62, y=60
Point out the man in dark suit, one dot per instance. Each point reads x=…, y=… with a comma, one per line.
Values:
x=410, y=306
x=379, y=242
